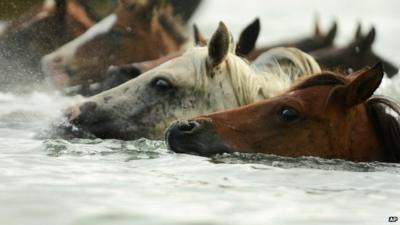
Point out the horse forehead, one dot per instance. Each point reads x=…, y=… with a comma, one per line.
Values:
x=187, y=61
x=312, y=97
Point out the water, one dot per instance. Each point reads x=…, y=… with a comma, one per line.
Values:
x=84, y=182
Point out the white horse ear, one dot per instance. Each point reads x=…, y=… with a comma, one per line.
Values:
x=219, y=46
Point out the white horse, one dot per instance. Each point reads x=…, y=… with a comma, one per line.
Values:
x=203, y=80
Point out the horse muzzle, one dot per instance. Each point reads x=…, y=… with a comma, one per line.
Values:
x=195, y=137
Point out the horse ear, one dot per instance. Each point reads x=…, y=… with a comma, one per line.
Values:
x=219, y=45
x=317, y=29
x=331, y=34
x=358, y=35
x=368, y=41
x=363, y=85
x=390, y=69
x=248, y=38
x=199, y=39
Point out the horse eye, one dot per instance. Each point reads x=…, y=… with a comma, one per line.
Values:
x=288, y=114
x=161, y=84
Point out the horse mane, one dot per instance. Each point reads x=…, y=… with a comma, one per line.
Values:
x=172, y=24
x=274, y=73
x=284, y=66
x=381, y=112
x=251, y=83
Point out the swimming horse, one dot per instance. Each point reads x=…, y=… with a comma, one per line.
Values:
x=28, y=38
x=327, y=115
x=203, y=80
x=355, y=56
x=136, y=31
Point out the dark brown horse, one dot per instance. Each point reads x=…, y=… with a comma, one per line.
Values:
x=44, y=28
x=308, y=44
x=137, y=31
x=355, y=56
x=327, y=115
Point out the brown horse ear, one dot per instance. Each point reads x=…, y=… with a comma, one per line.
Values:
x=248, y=38
x=317, y=29
x=199, y=39
x=368, y=41
x=363, y=85
x=358, y=35
x=219, y=45
x=331, y=34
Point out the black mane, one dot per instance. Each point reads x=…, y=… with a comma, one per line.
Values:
x=384, y=115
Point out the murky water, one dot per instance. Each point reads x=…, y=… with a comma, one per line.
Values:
x=84, y=182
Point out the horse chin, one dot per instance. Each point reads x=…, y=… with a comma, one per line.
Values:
x=201, y=142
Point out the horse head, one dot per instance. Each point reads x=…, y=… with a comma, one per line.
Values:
x=358, y=54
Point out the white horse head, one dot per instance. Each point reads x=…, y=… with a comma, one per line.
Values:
x=203, y=80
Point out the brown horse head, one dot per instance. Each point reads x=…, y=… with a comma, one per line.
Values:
x=355, y=56
x=327, y=115
x=139, y=30
x=317, y=41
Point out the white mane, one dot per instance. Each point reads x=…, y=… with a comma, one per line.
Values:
x=271, y=74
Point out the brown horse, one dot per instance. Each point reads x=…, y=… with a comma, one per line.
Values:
x=137, y=31
x=327, y=115
x=44, y=28
x=355, y=56
x=308, y=44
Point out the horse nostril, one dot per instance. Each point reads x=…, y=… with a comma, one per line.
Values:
x=187, y=126
x=87, y=107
